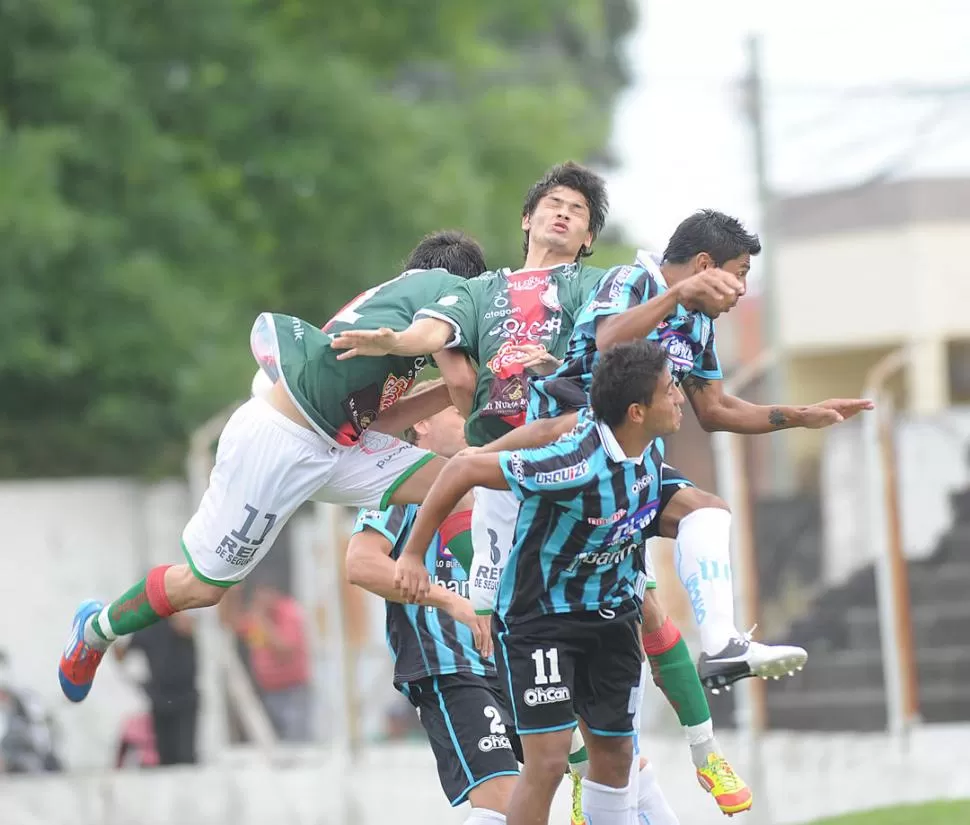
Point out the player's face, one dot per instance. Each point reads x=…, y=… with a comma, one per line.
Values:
x=443, y=433
x=739, y=267
x=664, y=414
x=560, y=222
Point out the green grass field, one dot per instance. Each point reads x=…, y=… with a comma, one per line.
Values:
x=932, y=813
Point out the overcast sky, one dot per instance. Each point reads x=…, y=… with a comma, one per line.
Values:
x=681, y=135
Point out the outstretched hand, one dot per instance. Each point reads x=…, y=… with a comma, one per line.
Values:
x=834, y=411
x=373, y=342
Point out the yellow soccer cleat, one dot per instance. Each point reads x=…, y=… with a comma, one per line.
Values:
x=577, y=818
x=729, y=790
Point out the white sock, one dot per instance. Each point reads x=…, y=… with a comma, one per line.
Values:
x=704, y=568
x=652, y=805
x=90, y=634
x=483, y=816
x=603, y=805
x=702, y=742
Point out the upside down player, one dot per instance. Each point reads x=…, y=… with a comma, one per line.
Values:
x=568, y=605
x=309, y=437
x=502, y=316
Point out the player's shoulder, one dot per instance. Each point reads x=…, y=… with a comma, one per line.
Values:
x=392, y=518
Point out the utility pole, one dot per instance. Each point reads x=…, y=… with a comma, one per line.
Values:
x=775, y=385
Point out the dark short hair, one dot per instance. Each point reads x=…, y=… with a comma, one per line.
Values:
x=722, y=237
x=626, y=374
x=448, y=249
x=580, y=179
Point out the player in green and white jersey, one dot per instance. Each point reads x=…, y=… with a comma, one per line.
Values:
x=309, y=437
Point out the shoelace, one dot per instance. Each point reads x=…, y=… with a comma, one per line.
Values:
x=723, y=771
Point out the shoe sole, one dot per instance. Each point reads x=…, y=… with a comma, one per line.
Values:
x=78, y=693
x=733, y=672
x=730, y=811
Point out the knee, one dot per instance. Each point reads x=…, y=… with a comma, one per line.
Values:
x=611, y=765
x=546, y=767
x=186, y=591
x=494, y=794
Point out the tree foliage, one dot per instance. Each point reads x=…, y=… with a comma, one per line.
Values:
x=170, y=168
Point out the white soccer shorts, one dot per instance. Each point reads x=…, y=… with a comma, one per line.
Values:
x=266, y=467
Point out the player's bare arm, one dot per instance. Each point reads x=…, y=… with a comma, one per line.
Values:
x=536, y=433
x=460, y=377
x=423, y=337
x=411, y=409
x=718, y=411
x=711, y=291
x=459, y=476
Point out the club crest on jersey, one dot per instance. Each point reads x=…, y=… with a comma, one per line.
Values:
x=550, y=298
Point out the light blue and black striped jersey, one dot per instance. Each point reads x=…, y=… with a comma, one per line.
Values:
x=687, y=336
x=425, y=641
x=586, y=509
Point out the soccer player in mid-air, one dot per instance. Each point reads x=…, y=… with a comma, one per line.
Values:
x=632, y=303
x=517, y=324
x=568, y=607
x=310, y=436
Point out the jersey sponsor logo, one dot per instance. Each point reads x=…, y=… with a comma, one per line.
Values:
x=680, y=351
x=376, y=515
x=459, y=586
x=597, y=521
x=534, y=331
x=494, y=741
x=619, y=280
x=642, y=483
x=516, y=466
x=502, y=362
x=487, y=577
x=595, y=306
x=448, y=301
x=563, y=474
x=546, y=696
x=529, y=284
x=394, y=388
x=602, y=558
x=634, y=523
x=501, y=313
x=298, y=332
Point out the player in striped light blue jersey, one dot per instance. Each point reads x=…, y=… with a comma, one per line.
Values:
x=436, y=663
x=570, y=596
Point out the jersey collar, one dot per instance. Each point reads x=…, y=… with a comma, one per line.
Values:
x=612, y=446
x=651, y=261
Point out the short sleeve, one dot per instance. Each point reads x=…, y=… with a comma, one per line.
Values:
x=622, y=288
x=707, y=365
x=459, y=308
x=390, y=523
x=550, y=471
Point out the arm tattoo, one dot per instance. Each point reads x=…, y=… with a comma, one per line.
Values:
x=777, y=418
x=694, y=383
